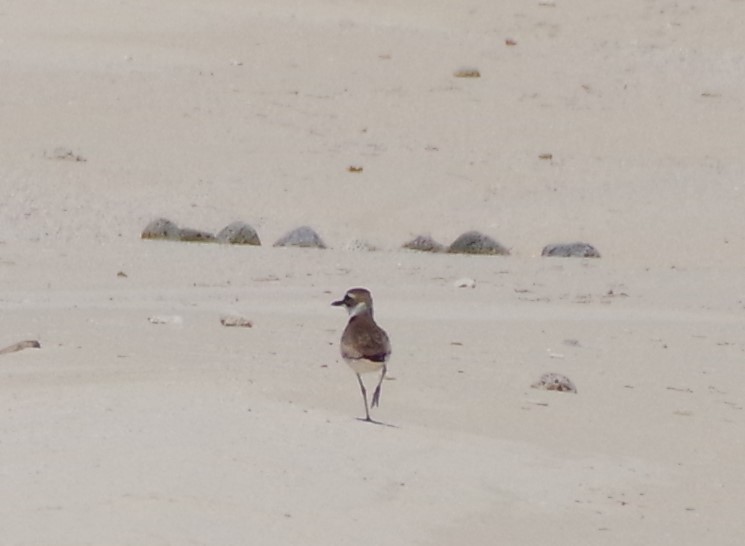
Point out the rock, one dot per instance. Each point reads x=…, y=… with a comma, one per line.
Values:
x=21, y=345
x=190, y=235
x=235, y=321
x=467, y=72
x=162, y=228
x=239, y=233
x=474, y=242
x=358, y=245
x=465, y=282
x=65, y=154
x=303, y=237
x=555, y=382
x=166, y=319
x=424, y=243
x=571, y=250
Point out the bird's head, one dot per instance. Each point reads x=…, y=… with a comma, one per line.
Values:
x=356, y=301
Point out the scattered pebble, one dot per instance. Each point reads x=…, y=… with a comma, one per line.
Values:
x=678, y=389
x=555, y=382
x=467, y=72
x=465, y=282
x=235, y=321
x=166, y=319
x=65, y=154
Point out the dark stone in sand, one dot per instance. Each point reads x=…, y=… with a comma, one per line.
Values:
x=474, y=242
x=65, y=154
x=162, y=228
x=190, y=235
x=303, y=237
x=424, y=243
x=28, y=344
x=555, y=382
x=571, y=250
x=239, y=233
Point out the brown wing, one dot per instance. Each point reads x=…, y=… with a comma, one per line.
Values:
x=365, y=339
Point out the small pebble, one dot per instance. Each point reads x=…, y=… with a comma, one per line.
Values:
x=570, y=250
x=555, y=382
x=465, y=282
x=166, y=319
x=235, y=321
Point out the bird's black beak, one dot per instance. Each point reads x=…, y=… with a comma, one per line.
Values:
x=337, y=303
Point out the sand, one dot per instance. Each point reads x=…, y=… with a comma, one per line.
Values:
x=143, y=420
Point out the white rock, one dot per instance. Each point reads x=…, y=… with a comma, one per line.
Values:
x=358, y=245
x=465, y=282
x=555, y=382
x=235, y=320
x=166, y=319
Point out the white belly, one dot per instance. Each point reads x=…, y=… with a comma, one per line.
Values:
x=362, y=365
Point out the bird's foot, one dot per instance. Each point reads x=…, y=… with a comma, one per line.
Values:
x=374, y=422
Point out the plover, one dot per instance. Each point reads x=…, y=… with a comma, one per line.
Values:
x=365, y=346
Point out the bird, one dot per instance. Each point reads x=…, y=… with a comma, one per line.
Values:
x=364, y=345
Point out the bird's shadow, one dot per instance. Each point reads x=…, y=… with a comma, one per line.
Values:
x=379, y=423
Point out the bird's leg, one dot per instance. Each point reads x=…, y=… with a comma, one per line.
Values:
x=376, y=394
x=364, y=397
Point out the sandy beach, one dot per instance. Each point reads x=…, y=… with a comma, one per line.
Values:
x=144, y=420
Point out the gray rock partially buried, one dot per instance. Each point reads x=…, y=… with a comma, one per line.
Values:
x=239, y=233
x=475, y=242
x=164, y=229
x=303, y=236
x=190, y=235
x=555, y=382
x=161, y=228
x=424, y=243
x=570, y=250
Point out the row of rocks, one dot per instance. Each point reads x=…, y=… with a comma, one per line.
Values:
x=471, y=242
x=240, y=233
x=475, y=242
x=237, y=233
